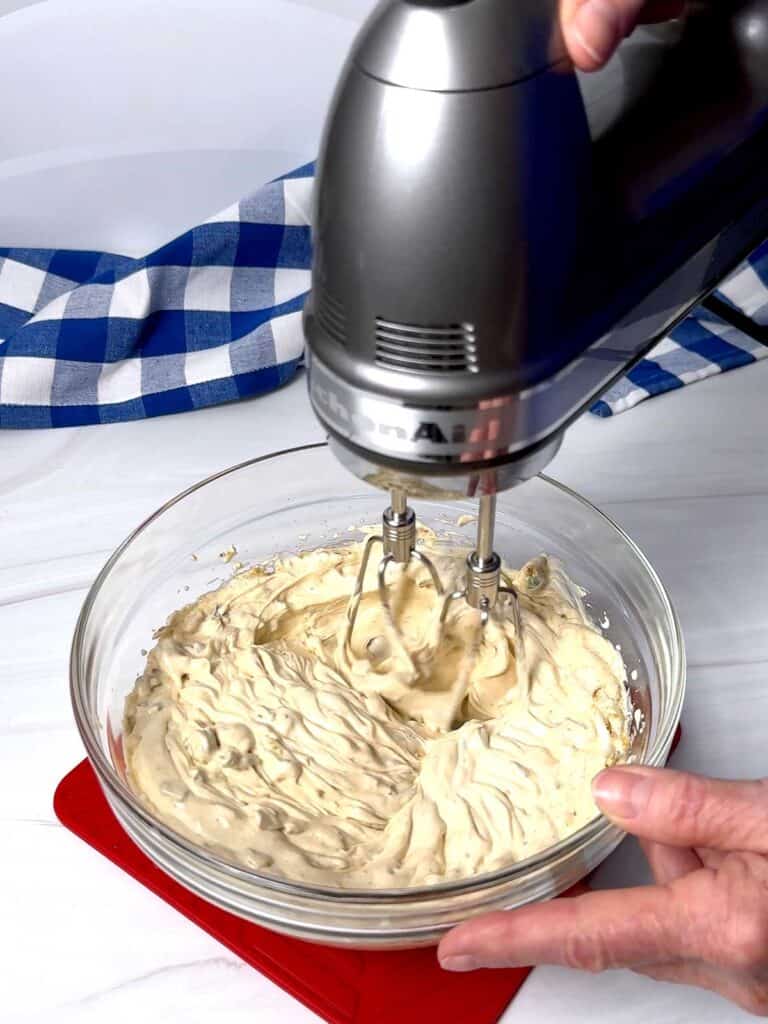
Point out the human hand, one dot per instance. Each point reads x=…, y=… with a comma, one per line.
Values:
x=594, y=28
x=704, y=923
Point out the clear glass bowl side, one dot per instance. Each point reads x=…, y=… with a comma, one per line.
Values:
x=304, y=499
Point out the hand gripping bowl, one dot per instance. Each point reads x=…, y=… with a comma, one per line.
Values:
x=304, y=498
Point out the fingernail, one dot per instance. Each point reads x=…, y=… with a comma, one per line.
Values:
x=597, y=26
x=622, y=792
x=459, y=963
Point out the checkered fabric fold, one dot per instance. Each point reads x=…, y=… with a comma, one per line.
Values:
x=730, y=329
x=215, y=316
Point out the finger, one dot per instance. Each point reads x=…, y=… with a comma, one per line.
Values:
x=651, y=11
x=599, y=930
x=680, y=809
x=748, y=992
x=669, y=862
x=567, y=10
x=711, y=858
x=592, y=29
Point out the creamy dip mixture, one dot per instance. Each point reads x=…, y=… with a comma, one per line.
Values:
x=257, y=733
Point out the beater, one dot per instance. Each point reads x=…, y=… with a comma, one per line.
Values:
x=398, y=541
x=498, y=239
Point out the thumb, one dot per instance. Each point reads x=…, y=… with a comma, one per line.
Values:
x=682, y=809
x=594, y=28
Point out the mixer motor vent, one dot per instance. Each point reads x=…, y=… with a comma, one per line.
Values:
x=411, y=348
x=331, y=317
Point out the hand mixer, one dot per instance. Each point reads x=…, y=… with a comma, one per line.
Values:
x=498, y=239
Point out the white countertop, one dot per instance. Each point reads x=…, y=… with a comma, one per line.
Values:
x=686, y=474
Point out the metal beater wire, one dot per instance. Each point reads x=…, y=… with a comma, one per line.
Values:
x=398, y=541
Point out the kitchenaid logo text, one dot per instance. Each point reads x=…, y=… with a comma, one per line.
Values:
x=351, y=421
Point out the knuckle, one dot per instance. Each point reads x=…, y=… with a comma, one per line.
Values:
x=685, y=804
x=740, y=876
x=752, y=821
x=747, y=935
x=585, y=953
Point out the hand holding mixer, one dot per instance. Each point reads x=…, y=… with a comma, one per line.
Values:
x=498, y=239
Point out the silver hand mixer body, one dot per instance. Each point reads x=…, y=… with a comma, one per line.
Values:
x=497, y=239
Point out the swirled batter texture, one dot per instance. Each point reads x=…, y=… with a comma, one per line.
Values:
x=257, y=732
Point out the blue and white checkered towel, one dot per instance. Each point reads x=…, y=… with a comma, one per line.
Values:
x=215, y=315
x=730, y=329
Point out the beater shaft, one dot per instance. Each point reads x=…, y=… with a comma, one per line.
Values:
x=482, y=584
x=486, y=521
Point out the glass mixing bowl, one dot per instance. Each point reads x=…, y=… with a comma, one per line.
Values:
x=303, y=498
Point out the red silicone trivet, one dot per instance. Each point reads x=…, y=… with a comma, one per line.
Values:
x=342, y=986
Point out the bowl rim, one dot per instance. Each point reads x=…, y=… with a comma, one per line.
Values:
x=114, y=787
